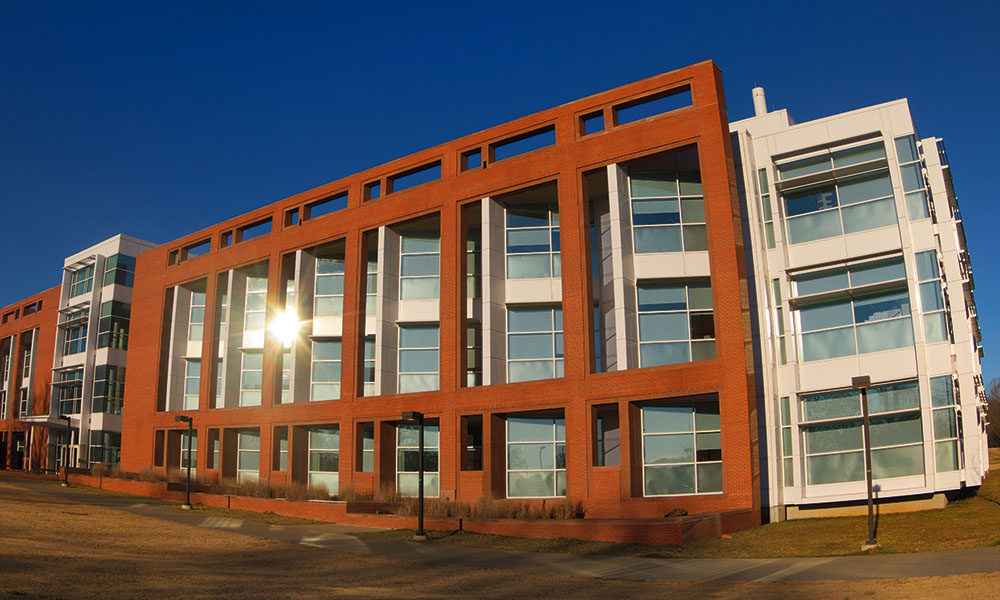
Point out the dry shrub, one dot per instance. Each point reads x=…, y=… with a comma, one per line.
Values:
x=148, y=475
x=99, y=470
x=385, y=494
x=349, y=494
x=488, y=507
x=409, y=506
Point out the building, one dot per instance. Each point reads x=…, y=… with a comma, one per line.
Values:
x=27, y=339
x=858, y=260
x=80, y=328
x=562, y=297
x=626, y=301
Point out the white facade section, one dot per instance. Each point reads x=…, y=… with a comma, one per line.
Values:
x=858, y=266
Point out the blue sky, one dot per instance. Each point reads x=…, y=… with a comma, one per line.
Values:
x=172, y=116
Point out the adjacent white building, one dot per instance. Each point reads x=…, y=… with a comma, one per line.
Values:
x=858, y=265
x=88, y=370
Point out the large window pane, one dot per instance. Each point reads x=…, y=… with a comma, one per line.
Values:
x=870, y=215
x=887, y=335
x=822, y=345
x=897, y=462
x=835, y=468
x=657, y=239
x=814, y=226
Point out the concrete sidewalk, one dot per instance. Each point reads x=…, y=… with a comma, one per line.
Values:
x=337, y=537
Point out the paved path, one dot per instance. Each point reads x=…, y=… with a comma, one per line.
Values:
x=337, y=537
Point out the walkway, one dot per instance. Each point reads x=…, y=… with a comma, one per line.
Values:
x=337, y=537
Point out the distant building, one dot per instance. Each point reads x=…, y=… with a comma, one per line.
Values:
x=859, y=266
x=69, y=358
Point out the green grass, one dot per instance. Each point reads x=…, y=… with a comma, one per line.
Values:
x=970, y=522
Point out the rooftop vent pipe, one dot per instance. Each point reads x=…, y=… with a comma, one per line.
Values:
x=759, y=103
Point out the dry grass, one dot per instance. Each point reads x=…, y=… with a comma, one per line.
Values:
x=970, y=522
x=105, y=553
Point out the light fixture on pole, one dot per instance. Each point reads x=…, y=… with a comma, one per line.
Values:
x=187, y=494
x=862, y=383
x=412, y=415
x=69, y=434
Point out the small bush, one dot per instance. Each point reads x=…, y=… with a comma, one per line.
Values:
x=98, y=470
x=386, y=494
x=148, y=475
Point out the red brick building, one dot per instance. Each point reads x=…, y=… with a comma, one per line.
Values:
x=562, y=296
x=27, y=340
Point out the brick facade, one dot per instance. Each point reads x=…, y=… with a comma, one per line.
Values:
x=612, y=491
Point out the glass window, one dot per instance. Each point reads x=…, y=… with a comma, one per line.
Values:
x=192, y=381
x=532, y=241
x=419, y=266
x=676, y=323
x=81, y=281
x=75, y=340
x=70, y=388
x=369, y=366
x=256, y=305
x=408, y=459
x=681, y=449
x=418, y=358
x=189, y=458
x=847, y=205
x=329, y=287
x=109, y=389
x=834, y=441
x=196, y=320
x=534, y=343
x=248, y=455
x=251, y=378
x=668, y=212
x=367, y=441
x=119, y=269
x=325, y=376
x=871, y=323
x=937, y=325
x=324, y=458
x=536, y=457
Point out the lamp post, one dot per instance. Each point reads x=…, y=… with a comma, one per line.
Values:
x=187, y=489
x=69, y=434
x=412, y=415
x=862, y=383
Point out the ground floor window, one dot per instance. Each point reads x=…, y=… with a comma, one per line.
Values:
x=408, y=462
x=105, y=447
x=248, y=455
x=834, y=436
x=536, y=456
x=189, y=457
x=681, y=448
x=324, y=458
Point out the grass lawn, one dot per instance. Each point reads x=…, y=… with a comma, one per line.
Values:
x=970, y=522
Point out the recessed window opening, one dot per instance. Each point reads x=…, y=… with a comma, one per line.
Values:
x=226, y=239
x=373, y=190
x=197, y=249
x=291, y=217
x=651, y=106
x=325, y=206
x=681, y=448
x=592, y=123
x=253, y=230
x=408, y=459
x=324, y=458
x=413, y=177
x=523, y=143
x=536, y=455
x=668, y=208
x=472, y=159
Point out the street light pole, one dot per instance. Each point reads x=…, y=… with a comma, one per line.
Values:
x=419, y=418
x=69, y=434
x=187, y=489
x=862, y=383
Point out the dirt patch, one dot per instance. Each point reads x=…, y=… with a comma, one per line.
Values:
x=99, y=552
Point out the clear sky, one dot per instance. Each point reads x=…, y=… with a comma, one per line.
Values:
x=156, y=119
